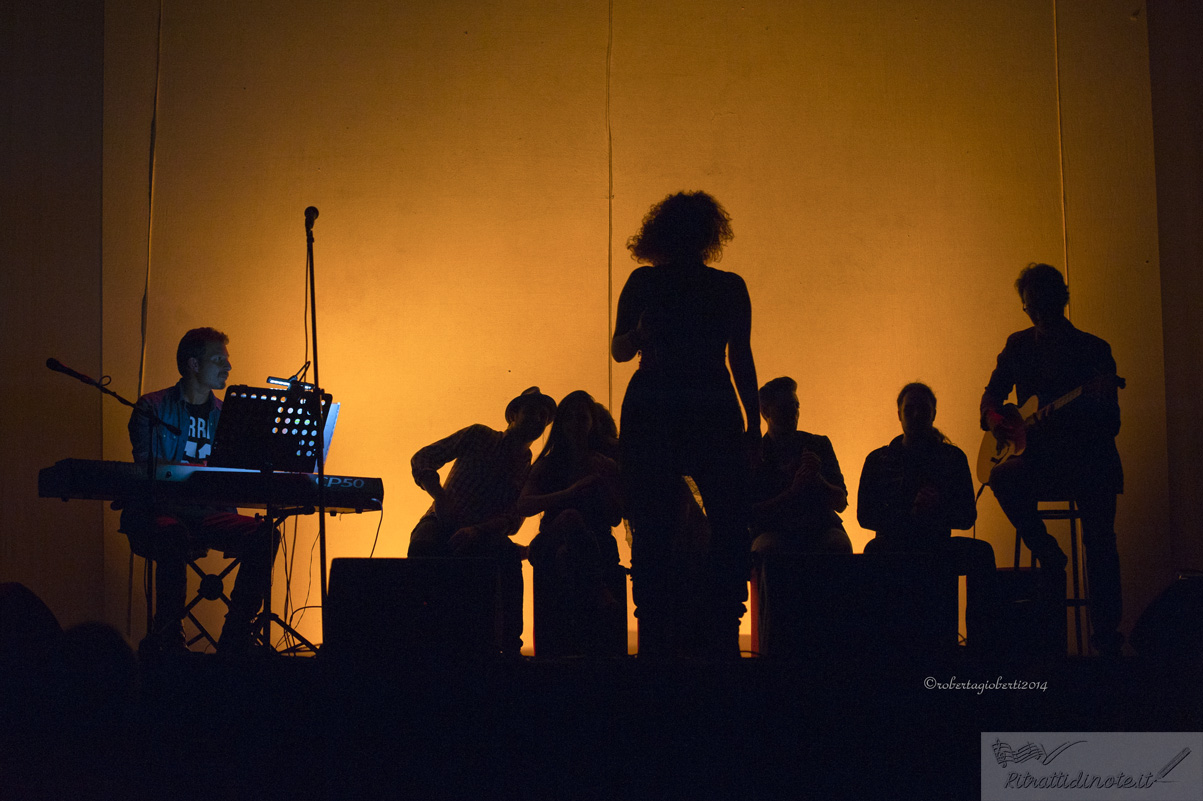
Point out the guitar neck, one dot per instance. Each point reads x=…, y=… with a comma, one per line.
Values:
x=1061, y=401
x=1073, y=394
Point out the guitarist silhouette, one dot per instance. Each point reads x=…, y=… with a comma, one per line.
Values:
x=1068, y=450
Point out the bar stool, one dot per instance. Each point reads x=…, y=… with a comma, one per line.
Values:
x=1068, y=510
x=212, y=588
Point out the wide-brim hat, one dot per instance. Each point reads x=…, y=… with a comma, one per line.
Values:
x=530, y=395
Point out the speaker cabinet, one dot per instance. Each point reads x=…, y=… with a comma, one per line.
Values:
x=412, y=610
x=1031, y=617
x=819, y=606
x=1171, y=627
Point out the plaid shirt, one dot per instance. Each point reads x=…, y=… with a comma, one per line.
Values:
x=485, y=481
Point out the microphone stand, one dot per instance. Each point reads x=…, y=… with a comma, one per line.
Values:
x=155, y=422
x=311, y=214
x=59, y=367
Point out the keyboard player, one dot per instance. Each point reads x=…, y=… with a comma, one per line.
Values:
x=170, y=534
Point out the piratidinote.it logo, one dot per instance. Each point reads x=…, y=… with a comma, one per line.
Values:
x=1092, y=765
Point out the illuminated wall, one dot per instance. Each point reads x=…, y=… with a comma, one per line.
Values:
x=51, y=80
x=889, y=168
x=1176, y=77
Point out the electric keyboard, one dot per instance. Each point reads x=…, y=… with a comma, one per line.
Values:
x=209, y=486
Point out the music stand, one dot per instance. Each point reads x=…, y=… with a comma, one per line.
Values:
x=273, y=429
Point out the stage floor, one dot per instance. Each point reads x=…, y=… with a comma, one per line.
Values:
x=295, y=727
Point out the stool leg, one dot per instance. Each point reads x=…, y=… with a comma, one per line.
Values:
x=201, y=632
x=1073, y=558
x=754, y=608
x=149, y=582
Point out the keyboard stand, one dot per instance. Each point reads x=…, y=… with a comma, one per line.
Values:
x=263, y=624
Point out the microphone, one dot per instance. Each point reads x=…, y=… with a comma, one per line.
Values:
x=310, y=216
x=59, y=367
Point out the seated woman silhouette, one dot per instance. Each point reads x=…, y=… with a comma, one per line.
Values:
x=681, y=417
x=914, y=491
x=576, y=488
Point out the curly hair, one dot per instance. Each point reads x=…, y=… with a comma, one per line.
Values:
x=1045, y=282
x=686, y=226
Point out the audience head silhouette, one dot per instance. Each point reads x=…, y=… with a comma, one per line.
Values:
x=779, y=404
x=917, y=413
x=574, y=427
x=529, y=413
x=685, y=227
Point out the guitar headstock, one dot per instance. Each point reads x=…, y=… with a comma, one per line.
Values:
x=1103, y=385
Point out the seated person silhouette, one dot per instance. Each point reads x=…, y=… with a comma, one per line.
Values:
x=798, y=492
x=171, y=534
x=797, y=488
x=914, y=491
x=1071, y=452
x=577, y=490
x=475, y=513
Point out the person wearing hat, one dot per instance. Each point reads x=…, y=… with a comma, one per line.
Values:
x=474, y=513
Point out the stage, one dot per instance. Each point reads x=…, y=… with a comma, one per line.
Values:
x=311, y=727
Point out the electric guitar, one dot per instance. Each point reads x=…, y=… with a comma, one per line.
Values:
x=995, y=450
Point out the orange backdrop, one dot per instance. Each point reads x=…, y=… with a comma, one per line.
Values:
x=889, y=168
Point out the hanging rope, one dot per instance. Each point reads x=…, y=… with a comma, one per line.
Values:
x=609, y=214
x=150, y=216
x=1061, y=156
x=150, y=197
